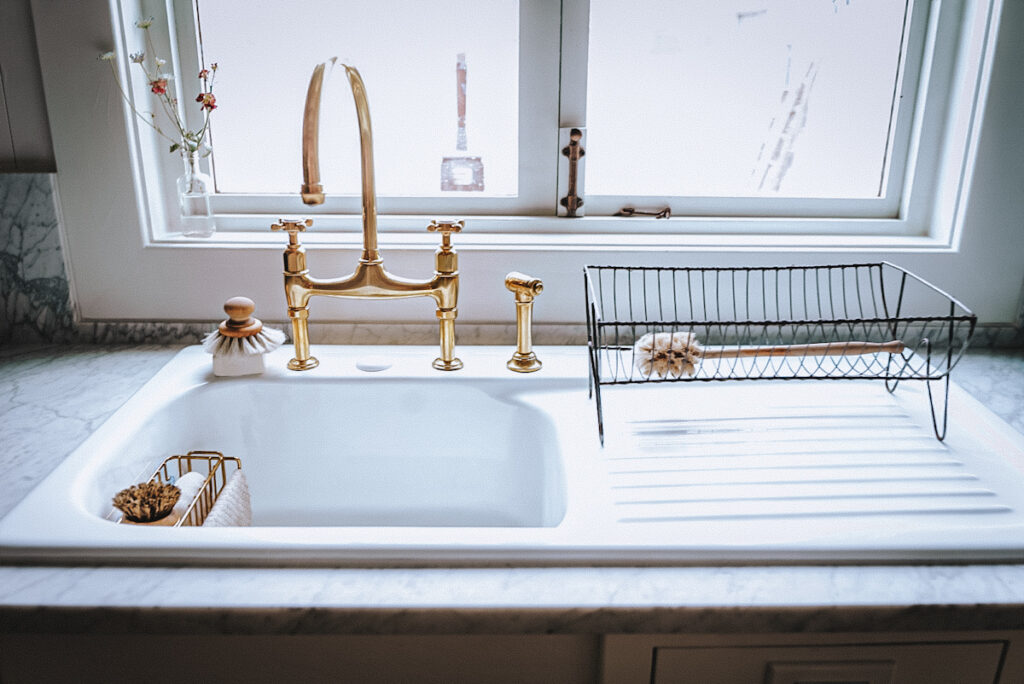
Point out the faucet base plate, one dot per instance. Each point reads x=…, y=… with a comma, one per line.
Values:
x=304, y=364
x=524, y=363
x=441, y=364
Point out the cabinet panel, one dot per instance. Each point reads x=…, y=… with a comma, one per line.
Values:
x=173, y=659
x=934, y=663
x=25, y=144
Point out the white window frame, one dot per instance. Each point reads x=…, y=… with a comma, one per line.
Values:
x=935, y=35
x=109, y=212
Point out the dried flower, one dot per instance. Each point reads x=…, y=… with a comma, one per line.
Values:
x=182, y=138
x=207, y=101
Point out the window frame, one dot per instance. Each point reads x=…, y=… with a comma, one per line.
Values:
x=941, y=45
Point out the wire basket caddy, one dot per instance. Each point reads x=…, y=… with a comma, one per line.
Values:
x=856, y=321
x=216, y=469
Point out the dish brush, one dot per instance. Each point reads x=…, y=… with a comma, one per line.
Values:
x=239, y=343
x=678, y=354
x=148, y=503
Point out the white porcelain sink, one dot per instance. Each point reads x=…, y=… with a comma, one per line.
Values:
x=409, y=465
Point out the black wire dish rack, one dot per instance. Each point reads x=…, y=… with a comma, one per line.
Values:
x=837, y=322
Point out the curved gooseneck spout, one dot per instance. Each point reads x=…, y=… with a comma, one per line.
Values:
x=369, y=279
x=312, y=189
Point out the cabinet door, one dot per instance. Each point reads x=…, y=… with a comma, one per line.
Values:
x=935, y=663
x=25, y=145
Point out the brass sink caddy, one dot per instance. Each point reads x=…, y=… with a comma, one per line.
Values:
x=369, y=279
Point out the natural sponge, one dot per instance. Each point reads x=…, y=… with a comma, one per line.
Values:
x=147, y=502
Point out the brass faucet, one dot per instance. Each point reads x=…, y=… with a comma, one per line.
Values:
x=369, y=279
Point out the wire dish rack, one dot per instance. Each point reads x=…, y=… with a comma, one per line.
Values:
x=835, y=322
x=213, y=465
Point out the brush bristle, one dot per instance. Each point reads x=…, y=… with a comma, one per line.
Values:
x=147, y=501
x=263, y=342
x=666, y=354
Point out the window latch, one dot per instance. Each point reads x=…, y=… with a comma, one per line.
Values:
x=656, y=213
x=574, y=151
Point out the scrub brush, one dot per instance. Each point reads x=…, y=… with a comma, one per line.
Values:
x=239, y=343
x=678, y=354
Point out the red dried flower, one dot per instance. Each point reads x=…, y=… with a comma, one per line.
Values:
x=207, y=101
x=159, y=86
x=203, y=73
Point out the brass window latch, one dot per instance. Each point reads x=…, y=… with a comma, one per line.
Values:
x=574, y=151
x=525, y=289
x=656, y=213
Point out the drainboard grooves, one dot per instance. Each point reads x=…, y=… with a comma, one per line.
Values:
x=735, y=456
x=782, y=421
x=648, y=443
x=845, y=459
x=825, y=495
x=765, y=511
x=777, y=450
x=763, y=481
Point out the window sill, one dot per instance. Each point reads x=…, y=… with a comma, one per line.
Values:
x=588, y=234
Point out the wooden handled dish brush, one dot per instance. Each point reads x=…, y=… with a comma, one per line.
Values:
x=239, y=343
x=677, y=354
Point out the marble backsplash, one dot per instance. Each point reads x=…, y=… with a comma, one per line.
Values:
x=34, y=293
x=36, y=304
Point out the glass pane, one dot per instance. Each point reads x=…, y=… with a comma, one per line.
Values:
x=738, y=98
x=410, y=55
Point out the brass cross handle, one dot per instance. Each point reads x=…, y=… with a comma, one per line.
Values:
x=446, y=228
x=293, y=226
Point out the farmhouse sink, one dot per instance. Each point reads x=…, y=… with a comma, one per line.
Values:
x=375, y=458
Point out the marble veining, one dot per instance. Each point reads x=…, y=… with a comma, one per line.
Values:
x=994, y=377
x=71, y=390
x=35, y=302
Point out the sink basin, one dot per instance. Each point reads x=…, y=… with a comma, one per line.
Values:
x=375, y=451
x=374, y=458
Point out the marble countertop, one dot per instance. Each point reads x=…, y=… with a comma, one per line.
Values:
x=52, y=398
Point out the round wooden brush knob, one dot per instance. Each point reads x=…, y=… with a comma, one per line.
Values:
x=240, y=323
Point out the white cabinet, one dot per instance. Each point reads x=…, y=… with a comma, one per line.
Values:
x=24, y=128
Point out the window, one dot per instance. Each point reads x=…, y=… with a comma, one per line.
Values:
x=454, y=88
x=740, y=99
x=430, y=59
x=809, y=109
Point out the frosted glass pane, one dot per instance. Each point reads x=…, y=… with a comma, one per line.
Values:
x=407, y=52
x=742, y=98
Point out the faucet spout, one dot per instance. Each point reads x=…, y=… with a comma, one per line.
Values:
x=369, y=279
x=312, y=189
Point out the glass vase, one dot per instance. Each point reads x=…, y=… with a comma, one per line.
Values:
x=194, y=189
